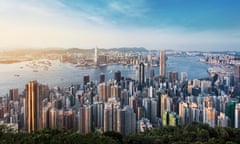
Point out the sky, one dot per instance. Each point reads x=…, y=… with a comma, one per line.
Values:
x=154, y=24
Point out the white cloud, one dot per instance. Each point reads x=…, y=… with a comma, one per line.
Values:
x=52, y=24
x=129, y=8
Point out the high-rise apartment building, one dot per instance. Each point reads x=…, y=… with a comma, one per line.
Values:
x=117, y=75
x=104, y=91
x=126, y=121
x=33, y=100
x=169, y=119
x=86, y=79
x=110, y=118
x=172, y=76
x=237, y=116
x=230, y=111
x=101, y=77
x=141, y=73
x=162, y=64
x=166, y=103
x=115, y=90
x=53, y=118
x=237, y=73
x=96, y=56
x=222, y=120
x=13, y=94
x=85, y=119
x=209, y=116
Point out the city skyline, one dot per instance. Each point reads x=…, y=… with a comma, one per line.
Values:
x=178, y=25
x=140, y=92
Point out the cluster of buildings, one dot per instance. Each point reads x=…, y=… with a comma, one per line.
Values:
x=123, y=104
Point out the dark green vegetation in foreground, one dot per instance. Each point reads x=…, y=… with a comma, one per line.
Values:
x=194, y=133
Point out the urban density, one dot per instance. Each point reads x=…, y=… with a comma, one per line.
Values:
x=127, y=105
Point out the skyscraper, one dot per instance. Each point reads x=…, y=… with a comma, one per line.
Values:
x=126, y=121
x=13, y=94
x=237, y=116
x=86, y=79
x=96, y=56
x=230, y=111
x=115, y=90
x=151, y=73
x=101, y=77
x=85, y=119
x=53, y=118
x=110, y=118
x=141, y=73
x=104, y=91
x=172, y=76
x=33, y=106
x=165, y=103
x=117, y=75
x=237, y=73
x=209, y=116
x=170, y=119
x=162, y=64
x=184, y=76
x=237, y=79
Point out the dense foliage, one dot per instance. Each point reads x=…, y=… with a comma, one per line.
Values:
x=194, y=133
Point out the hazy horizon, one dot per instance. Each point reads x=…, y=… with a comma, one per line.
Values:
x=178, y=25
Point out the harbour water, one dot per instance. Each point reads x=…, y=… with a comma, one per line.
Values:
x=64, y=74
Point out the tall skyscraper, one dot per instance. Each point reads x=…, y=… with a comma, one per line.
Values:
x=13, y=94
x=85, y=119
x=237, y=116
x=53, y=118
x=115, y=90
x=172, y=76
x=110, y=118
x=237, y=79
x=173, y=119
x=126, y=121
x=184, y=76
x=230, y=111
x=104, y=91
x=188, y=112
x=99, y=114
x=86, y=79
x=147, y=107
x=209, y=116
x=117, y=75
x=222, y=120
x=165, y=103
x=45, y=117
x=162, y=64
x=237, y=73
x=96, y=56
x=101, y=77
x=141, y=73
x=151, y=73
x=33, y=101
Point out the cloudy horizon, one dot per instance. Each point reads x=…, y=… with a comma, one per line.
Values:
x=179, y=25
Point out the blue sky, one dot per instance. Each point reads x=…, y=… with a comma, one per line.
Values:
x=154, y=24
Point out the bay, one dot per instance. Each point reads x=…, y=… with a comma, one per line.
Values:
x=16, y=75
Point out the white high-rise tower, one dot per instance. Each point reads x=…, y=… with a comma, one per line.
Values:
x=96, y=55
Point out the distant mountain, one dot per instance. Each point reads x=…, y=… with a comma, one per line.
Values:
x=122, y=49
x=129, y=49
x=78, y=50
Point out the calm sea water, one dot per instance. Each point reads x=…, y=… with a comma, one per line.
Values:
x=64, y=74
